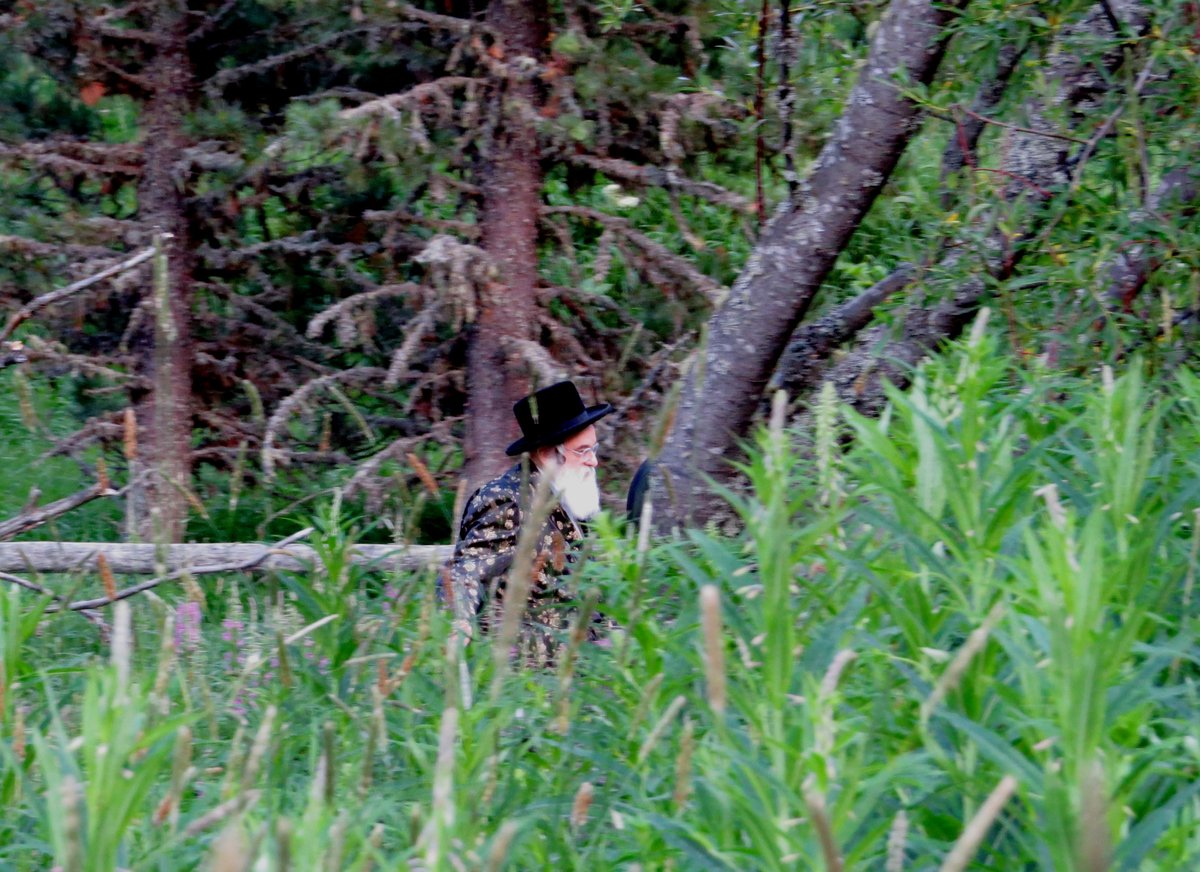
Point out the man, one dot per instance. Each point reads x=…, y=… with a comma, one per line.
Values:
x=559, y=436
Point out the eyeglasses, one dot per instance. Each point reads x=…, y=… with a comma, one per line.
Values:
x=592, y=451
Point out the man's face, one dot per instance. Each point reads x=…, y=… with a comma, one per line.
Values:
x=572, y=469
x=580, y=450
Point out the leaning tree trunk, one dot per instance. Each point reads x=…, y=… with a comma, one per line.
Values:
x=797, y=250
x=164, y=414
x=496, y=373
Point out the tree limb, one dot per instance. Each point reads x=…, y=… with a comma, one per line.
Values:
x=655, y=251
x=811, y=346
x=29, y=520
x=662, y=177
x=300, y=396
x=38, y=303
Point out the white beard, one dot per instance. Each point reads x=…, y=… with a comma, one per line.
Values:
x=576, y=490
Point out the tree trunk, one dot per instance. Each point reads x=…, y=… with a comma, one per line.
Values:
x=497, y=375
x=798, y=248
x=164, y=416
x=1045, y=165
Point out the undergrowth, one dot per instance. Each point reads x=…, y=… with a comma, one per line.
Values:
x=965, y=641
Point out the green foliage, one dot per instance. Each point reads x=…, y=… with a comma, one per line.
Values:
x=996, y=579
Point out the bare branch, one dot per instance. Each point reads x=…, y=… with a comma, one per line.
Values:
x=414, y=98
x=461, y=26
x=658, y=253
x=296, y=401
x=77, y=157
x=227, y=77
x=38, y=303
x=417, y=329
x=35, y=518
x=660, y=177
x=809, y=350
x=32, y=248
x=342, y=308
x=87, y=614
x=462, y=228
x=369, y=468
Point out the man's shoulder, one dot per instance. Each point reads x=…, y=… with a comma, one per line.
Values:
x=503, y=488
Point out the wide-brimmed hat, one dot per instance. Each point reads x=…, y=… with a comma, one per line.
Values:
x=550, y=415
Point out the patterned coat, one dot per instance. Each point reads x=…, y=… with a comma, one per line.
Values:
x=487, y=545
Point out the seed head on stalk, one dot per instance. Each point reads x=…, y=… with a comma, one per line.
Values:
x=714, y=647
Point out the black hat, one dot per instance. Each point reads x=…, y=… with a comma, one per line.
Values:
x=550, y=415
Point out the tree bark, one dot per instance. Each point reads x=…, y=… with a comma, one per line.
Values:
x=1131, y=269
x=1044, y=165
x=497, y=375
x=164, y=416
x=748, y=333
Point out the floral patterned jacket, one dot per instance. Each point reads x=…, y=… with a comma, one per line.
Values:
x=487, y=545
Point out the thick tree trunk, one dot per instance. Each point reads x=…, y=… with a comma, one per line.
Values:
x=497, y=375
x=798, y=248
x=164, y=416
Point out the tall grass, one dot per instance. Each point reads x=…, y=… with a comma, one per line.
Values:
x=965, y=642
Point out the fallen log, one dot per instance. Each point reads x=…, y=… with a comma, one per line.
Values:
x=198, y=557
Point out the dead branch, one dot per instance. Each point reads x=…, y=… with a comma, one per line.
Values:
x=211, y=20
x=301, y=245
x=297, y=400
x=344, y=308
x=35, y=518
x=418, y=327
x=88, y=614
x=462, y=228
x=414, y=98
x=38, y=350
x=656, y=252
x=215, y=85
x=100, y=429
x=38, y=303
x=461, y=26
x=546, y=368
x=77, y=157
x=369, y=468
x=659, y=177
x=36, y=248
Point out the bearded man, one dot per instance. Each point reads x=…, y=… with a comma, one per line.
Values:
x=559, y=437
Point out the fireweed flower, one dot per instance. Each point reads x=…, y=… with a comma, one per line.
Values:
x=187, y=626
